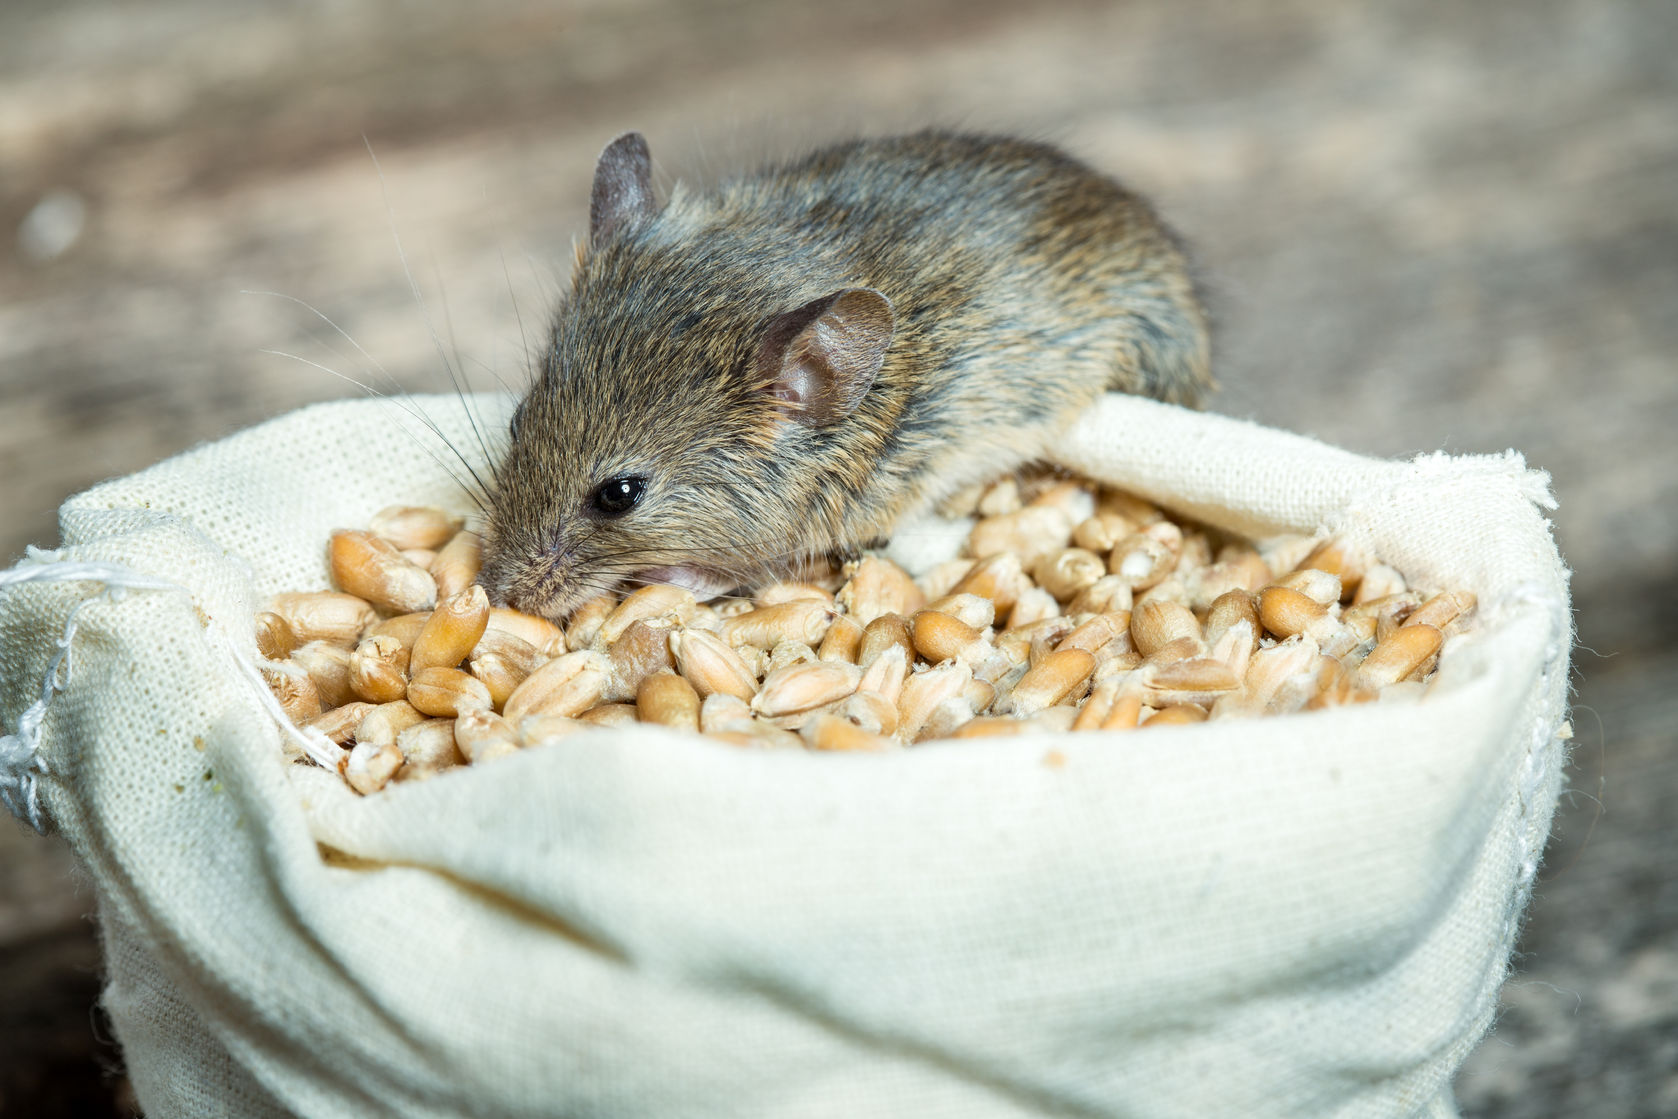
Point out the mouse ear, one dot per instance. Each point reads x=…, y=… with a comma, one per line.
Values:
x=623, y=188
x=818, y=361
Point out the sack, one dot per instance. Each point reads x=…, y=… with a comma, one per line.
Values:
x=1294, y=916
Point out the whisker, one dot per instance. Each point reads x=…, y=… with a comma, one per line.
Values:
x=329, y=321
x=518, y=316
x=413, y=413
x=490, y=371
x=398, y=396
x=358, y=354
x=419, y=300
x=765, y=552
x=457, y=375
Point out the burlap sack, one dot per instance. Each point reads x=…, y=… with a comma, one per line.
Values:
x=1299, y=916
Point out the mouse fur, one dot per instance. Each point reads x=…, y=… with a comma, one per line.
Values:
x=780, y=368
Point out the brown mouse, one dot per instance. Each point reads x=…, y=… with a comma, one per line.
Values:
x=781, y=368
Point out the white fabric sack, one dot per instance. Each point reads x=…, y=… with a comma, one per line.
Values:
x=1297, y=916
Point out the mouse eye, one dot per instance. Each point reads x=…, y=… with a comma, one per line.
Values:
x=617, y=496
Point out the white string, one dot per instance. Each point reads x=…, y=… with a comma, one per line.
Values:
x=21, y=764
x=315, y=745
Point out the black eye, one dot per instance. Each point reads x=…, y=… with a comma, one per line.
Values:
x=617, y=496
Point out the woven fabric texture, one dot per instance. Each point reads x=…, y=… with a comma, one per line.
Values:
x=1299, y=916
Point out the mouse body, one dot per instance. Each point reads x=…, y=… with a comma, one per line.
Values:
x=783, y=367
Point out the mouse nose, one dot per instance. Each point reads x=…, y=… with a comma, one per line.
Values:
x=544, y=582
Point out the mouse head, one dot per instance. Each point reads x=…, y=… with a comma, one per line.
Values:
x=690, y=418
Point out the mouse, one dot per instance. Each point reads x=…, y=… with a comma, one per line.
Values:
x=751, y=377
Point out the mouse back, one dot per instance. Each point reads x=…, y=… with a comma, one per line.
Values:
x=785, y=365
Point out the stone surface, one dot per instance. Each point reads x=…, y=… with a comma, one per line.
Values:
x=1424, y=225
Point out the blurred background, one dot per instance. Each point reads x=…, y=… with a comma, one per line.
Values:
x=1422, y=226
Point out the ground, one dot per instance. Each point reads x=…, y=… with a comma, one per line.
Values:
x=1422, y=226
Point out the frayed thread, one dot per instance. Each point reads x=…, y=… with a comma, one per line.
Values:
x=1533, y=485
x=315, y=745
x=21, y=764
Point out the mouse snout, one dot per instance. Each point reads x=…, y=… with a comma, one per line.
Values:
x=530, y=578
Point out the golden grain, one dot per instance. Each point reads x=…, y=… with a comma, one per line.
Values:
x=1124, y=620
x=414, y=526
x=668, y=700
x=452, y=631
